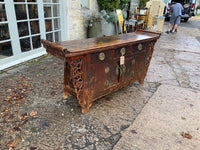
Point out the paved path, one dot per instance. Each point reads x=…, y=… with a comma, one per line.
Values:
x=34, y=116
x=174, y=109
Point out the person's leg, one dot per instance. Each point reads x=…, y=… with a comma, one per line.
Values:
x=177, y=22
x=175, y=27
x=170, y=24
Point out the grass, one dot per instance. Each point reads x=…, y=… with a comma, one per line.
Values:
x=197, y=14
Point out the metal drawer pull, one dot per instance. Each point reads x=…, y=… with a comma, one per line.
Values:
x=133, y=62
x=101, y=56
x=107, y=69
x=123, y=51
x=140, y=47
x=106, y=83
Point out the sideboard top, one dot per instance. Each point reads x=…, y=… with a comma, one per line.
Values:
x=100, y=42
x=78, y=47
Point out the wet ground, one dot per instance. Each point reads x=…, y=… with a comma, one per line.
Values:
x=34, y=116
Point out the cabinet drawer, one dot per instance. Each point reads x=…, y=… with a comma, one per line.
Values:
x=101, y=57
x=122, y=51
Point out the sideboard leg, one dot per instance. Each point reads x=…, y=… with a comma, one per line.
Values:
x=86, y=108
x=65, y=91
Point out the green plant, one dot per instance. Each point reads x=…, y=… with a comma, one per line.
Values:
x=142, y=3
x=198, y=7
x=110, y=5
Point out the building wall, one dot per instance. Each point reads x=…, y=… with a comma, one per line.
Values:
x=77, y=18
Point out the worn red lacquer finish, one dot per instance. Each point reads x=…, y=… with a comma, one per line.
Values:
x=95, y=67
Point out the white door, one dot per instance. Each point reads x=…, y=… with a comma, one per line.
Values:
x=23, y=23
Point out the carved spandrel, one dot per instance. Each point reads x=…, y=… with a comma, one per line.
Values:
x=77, y=78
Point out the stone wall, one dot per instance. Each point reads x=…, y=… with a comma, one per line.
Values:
x=77, y=18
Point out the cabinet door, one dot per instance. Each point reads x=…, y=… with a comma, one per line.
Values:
x=101, y=73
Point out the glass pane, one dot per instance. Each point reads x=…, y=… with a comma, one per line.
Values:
x=47, y=11
x=3, y=16
x=36, y=41
x=19, y=0
x=57, y=36
x=47, y=1
x=25, y=44
x=33, y=11
x=48, y=24
x=49, y=37
x=4, y=32
x=55, y=1
x=20, y=11
x=56, y=24
x=5, y=50
x=35, y=27
x=31, y=0
x=56, y=11
x=23, y=28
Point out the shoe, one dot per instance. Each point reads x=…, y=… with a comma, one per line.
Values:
x=167, y=32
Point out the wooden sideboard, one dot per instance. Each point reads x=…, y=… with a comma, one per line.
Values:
x=95, y=67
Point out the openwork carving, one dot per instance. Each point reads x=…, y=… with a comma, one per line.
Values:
x=77, y=75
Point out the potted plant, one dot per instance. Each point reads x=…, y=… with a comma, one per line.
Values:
x=106, y=18
x=108, y=8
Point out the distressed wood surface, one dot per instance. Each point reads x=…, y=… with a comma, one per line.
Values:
x=93, y=68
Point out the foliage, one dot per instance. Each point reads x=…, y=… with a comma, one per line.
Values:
x=110, y=5
x=198, y=7
x=110, y=16
x=142, y=3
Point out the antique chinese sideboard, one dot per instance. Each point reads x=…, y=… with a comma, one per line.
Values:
x=95, y=67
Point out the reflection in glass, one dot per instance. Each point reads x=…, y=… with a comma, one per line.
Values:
x=48, y=24
x=3, y=16
x=23, y=28
x=55, y=1
x=20, y=10
x=47, y=1
x=56, y=10
x=25, y=44
x=36, y=41
x=56, y=24
x=19, y=0
x=57, y=36
x=47, y=11
x=49, y=37
x=4, y=32
x=33, y=11
x=35, y=27
x=31, y=0
x=5, y=50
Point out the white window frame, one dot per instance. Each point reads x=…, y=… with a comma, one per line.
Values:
x=18, y=56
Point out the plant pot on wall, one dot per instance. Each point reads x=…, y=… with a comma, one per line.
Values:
x=107, y=28
x=95, y=29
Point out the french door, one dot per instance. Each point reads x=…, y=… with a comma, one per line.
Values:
x=23, y=23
